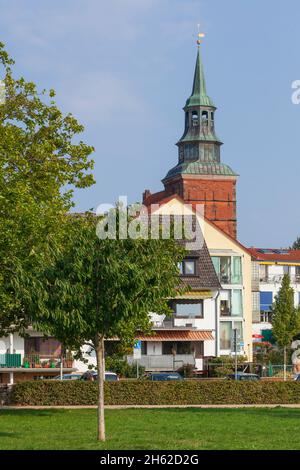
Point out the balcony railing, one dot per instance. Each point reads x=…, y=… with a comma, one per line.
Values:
x=34, y=361
x=228, y=278
x=185, y=322
x=164, y=362
x=277, y=279
x=10, y=360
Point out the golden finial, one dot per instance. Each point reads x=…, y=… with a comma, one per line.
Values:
x=200, y=36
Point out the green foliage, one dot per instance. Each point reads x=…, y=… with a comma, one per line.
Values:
x=122, y=368
x=187, y=370
x=39, y=165
x=267, y=353
x=296, y=244
x=286, y=318
x=103, y=288
x=230, y=360
x=140, y=392
x=224, y=365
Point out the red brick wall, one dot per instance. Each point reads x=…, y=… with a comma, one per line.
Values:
x=217, y=195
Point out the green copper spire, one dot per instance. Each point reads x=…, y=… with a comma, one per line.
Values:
x=199, y=96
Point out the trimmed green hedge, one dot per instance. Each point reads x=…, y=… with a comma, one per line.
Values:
x=186, y=392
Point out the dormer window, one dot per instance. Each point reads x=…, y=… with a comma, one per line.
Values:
x=188, y=267
x=195, y=118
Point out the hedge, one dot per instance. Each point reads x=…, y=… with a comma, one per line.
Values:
x=188, y=392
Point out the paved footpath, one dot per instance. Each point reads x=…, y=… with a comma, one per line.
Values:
x=120, y=407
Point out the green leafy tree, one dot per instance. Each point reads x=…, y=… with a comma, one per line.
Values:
x=40, y=164
x=286, y=317
x=296, y=244
x=103, y=288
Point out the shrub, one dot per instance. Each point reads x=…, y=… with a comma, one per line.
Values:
x=139, y=392
x=122, y=368
x=187, y=370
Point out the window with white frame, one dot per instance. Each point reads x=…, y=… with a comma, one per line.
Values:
x=189, y=309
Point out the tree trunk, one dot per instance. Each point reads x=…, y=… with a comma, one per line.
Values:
x=284, y=363
x=101, y=372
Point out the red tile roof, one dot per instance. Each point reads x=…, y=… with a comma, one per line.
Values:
x=186, y=335
x=276, y=254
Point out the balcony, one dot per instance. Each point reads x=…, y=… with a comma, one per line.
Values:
x=277, y=279
x=11, y=362
x=230, y=279
x=170, y=323
x=164, y=362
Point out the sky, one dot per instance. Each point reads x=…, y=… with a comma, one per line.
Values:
x=124, y=68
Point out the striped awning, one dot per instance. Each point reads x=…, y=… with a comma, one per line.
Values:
x=178, y=335
x=196, y=294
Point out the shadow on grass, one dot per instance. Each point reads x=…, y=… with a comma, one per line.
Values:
x=11, y=435
x=26, y=412
x=276, y=412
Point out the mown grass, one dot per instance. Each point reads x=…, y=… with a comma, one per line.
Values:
x=152, y=429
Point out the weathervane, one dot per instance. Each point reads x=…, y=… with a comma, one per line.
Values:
x=200, y=36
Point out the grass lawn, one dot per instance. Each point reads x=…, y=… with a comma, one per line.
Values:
x=277, y=428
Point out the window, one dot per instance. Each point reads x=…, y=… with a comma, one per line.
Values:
x=167, y=347
x=195, y=120
x=188, y=267
x=237, y=303
x=191, y=309
x=184, y=347
x=224, y=308
x=286, y=270
x=144, y=348
x=266, y=301
x=297, y=272
x=236, y=270
x=204, y=118
x=225, y=334
x=228, y=269
x=225, y=303
x=238, y=325
x=264, y=272
x=231, y=303
x=265, y=317
x=199, y=349
x=225, y=262
x=43, y=346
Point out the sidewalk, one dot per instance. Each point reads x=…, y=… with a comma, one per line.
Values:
x=120, y=407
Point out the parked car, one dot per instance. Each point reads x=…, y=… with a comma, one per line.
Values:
x=244, y=376
x=93, y=375
x=68, y=377
x=158, y=376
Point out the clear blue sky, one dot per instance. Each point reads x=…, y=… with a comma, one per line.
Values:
x=124, y=68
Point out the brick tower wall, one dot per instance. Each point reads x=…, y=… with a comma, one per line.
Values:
x=217, y=195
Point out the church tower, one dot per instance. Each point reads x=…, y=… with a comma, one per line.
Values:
x=199, y=176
